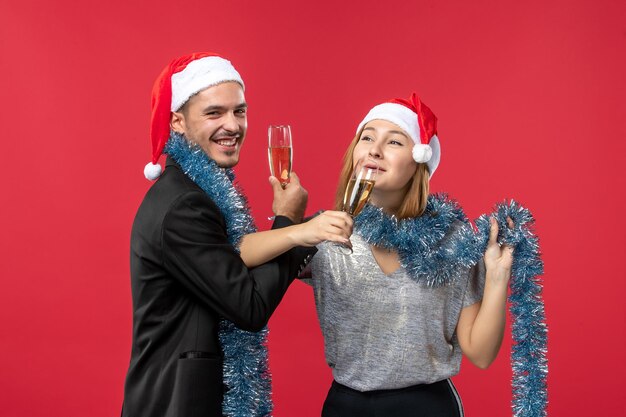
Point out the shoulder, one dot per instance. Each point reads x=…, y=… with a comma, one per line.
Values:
x=175, y=192
x=457, y=238
x=442, y=206
x=189, y=204
x=174, y=179
x=445, y=216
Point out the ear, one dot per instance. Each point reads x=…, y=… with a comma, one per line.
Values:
x=177, y=122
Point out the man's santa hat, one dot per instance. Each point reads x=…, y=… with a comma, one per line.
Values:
x=177, y=83
x=418, y=121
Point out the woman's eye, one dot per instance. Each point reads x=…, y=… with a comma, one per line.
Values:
x=395, y=142
x=366, y=138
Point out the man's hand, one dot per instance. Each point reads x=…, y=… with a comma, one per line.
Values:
x=291, y=201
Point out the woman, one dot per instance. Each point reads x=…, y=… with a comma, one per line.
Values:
x=394, y=330
x=421, y=288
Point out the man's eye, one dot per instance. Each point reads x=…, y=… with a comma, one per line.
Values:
x=241, y=111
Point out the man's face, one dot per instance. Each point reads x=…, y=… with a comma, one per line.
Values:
x=215, y=119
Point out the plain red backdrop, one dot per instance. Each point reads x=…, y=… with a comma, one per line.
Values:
x=530, y=98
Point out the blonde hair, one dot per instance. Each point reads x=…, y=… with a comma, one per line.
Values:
x=416, y=197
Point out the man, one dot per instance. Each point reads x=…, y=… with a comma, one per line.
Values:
x=186, y=273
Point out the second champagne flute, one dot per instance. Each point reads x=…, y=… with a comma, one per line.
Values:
x=279, y=152
x=358, y=192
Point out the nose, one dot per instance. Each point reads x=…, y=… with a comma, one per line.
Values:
x=231, y=123
x=375, y=151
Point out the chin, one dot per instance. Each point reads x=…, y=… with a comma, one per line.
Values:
x=227, y=162
x=221, y=159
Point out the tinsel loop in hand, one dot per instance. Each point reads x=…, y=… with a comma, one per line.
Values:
x=529, y=330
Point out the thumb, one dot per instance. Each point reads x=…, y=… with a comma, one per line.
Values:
x=275, y=184
x=294, y=178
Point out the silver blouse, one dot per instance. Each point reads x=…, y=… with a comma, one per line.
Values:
x=386, y=331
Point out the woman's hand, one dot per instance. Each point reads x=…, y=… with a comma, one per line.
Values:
x=498, y=258
x=481, y=326
x=334, y=226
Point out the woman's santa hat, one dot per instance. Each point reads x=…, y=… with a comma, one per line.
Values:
x=177, y=83
x=418, y=121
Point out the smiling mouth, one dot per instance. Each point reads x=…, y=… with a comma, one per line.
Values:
x=227, y=142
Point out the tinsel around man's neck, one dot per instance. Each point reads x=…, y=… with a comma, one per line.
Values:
x=246, y=371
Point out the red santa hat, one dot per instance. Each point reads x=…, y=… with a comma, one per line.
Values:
x=418, y=121
x=181, y=79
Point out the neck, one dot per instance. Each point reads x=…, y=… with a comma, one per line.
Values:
x=427, y=257
x=388, y=201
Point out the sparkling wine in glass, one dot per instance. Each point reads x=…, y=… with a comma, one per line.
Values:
x=279, y=152
x=358, y=192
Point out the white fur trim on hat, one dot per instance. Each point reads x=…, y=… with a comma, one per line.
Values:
x=200, y=74
x=397, y=114
x=433, y=162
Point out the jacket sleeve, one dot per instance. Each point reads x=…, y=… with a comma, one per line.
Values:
x=299, y=255
x=197, y=253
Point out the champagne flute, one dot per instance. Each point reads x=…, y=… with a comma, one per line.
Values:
x=358, y=192
x=279, y=152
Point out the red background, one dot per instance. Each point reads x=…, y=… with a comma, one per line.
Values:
x=530, y=99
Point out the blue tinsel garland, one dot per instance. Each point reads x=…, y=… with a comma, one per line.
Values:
x=427, y=257
x=529, y=330
x=433, y=260
x=246, y=373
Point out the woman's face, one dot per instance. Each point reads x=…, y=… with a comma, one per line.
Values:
x=391, y=147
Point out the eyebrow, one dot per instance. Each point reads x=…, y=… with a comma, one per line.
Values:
x=389, y=131
x=208, y=109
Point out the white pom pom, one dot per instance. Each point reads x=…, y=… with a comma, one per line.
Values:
x=422, y=153
x=152, y=171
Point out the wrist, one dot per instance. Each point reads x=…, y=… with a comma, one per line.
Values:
x=497, y=278
x=294, y=217
x=281, y=221
x=294, y=235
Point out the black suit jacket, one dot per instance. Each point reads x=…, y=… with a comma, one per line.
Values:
x=185, y=276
